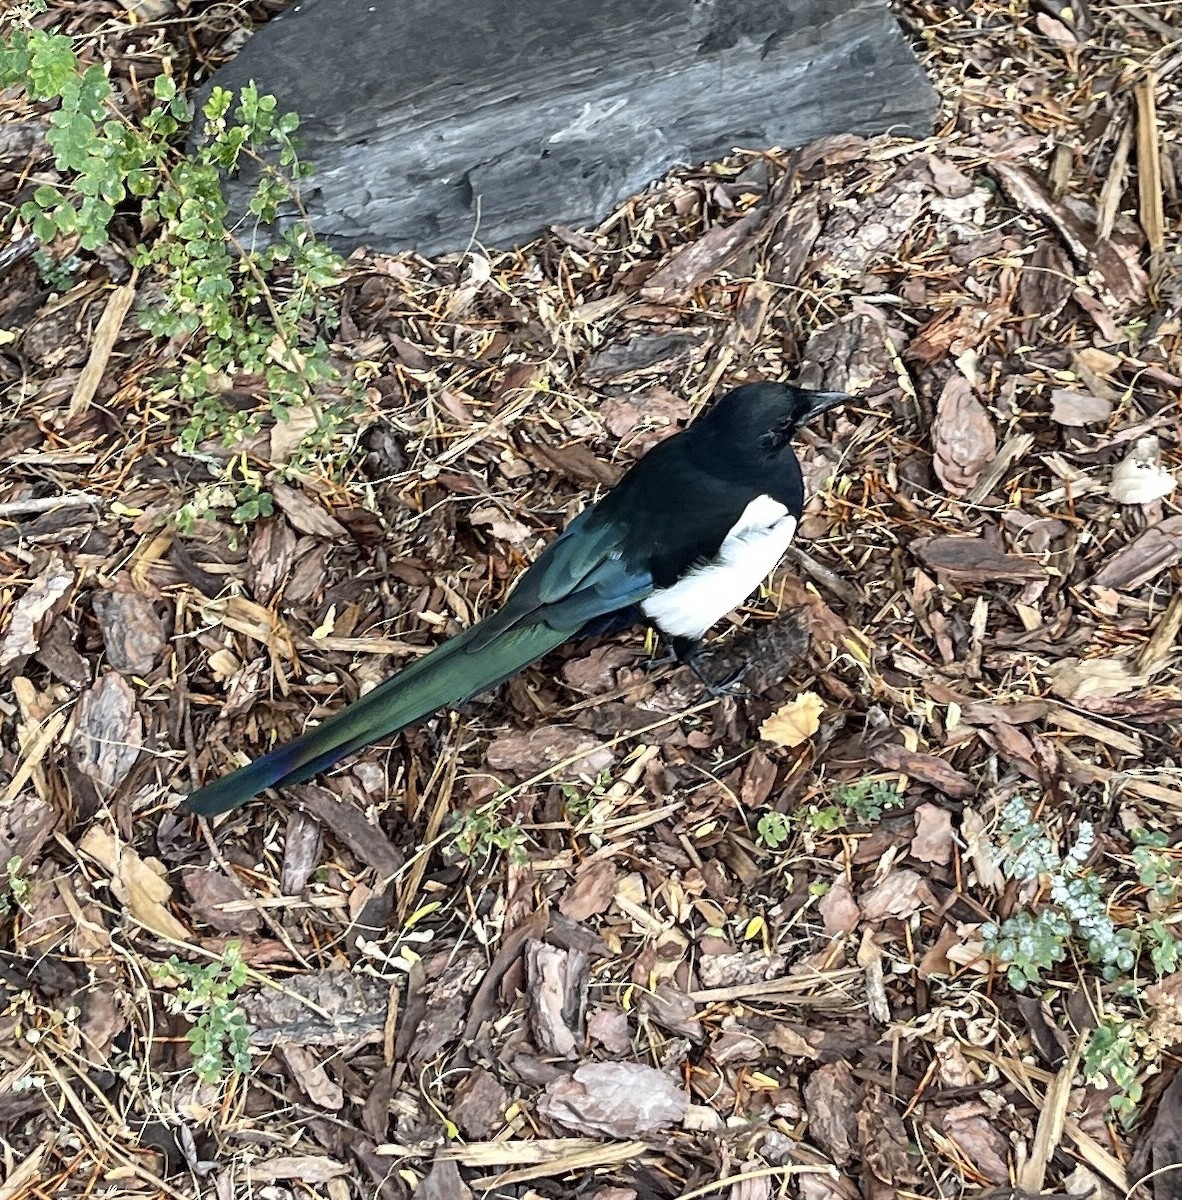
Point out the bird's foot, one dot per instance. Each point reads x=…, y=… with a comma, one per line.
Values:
x=731, y=686
x=687, y=653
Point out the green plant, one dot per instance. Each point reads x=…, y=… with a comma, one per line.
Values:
x=773, y=829
x=16, y=887
x=1028, y=945
x=1156, y=869
x=1113, y=1057
x=868, y=799
x=864, y=801
x=258, y=312
x=481, y=834
x=58, y=276
x=581, y=800
x=204, y=996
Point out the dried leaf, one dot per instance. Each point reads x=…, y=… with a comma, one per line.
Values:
x=137, y=883
x=1069, y=407
x=933, y=835
x=839, y=909
x=1094, y=678
x=287, y=433
x=963, y=440
x=592, y=891
x=795, y=722
x=614, y=1100
x=499, y=525
x=306, y=515
x=1140, y=478
x=899, y=895
x=38, y=600
x=108, y=731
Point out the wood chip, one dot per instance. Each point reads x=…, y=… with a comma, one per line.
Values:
x=963, y=440
x=974, y=559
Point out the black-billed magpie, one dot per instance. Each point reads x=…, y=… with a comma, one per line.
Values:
x=686, y=535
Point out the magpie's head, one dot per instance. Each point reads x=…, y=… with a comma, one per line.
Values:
x=760, y=418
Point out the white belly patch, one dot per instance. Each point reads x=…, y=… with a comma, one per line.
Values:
x=747, y=556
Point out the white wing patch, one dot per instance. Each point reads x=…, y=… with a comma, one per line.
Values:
x=747, y=556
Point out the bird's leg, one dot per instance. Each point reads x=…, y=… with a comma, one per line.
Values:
x=687, y=651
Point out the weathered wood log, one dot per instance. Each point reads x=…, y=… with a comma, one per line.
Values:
x=430, y=122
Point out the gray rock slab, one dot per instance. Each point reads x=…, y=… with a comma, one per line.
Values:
x=433, y=122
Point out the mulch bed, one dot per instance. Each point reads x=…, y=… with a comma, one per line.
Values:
x=539, y=948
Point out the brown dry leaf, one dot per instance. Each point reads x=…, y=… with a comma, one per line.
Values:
x=592, y=891
x=37, y=601
x=639, y=420
x=307, y=1168
x=1144, y=558
x=103, y=1018
x=614, y=1100
x=1165, y=1005
x=609, y=1027
x=794, y=722
x=133, y=633
x=499, y=525
x=136, y=882
x=792, y=1043
x=1094, y=678
x=963, y=439
x=1069, y=407
x=306, y=515
x=1056, y=31
x=108, y=731
x=933, y=835
x=974, y=559
x=527, y=753
x=899, y=895
x=288, y=433
x=885, y=1144
x=839, y=909
x=311, y=1076
x=211, y=889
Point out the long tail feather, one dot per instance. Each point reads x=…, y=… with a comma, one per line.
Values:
x=449, y=675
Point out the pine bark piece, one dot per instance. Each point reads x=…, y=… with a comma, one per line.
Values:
x=429, y=122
